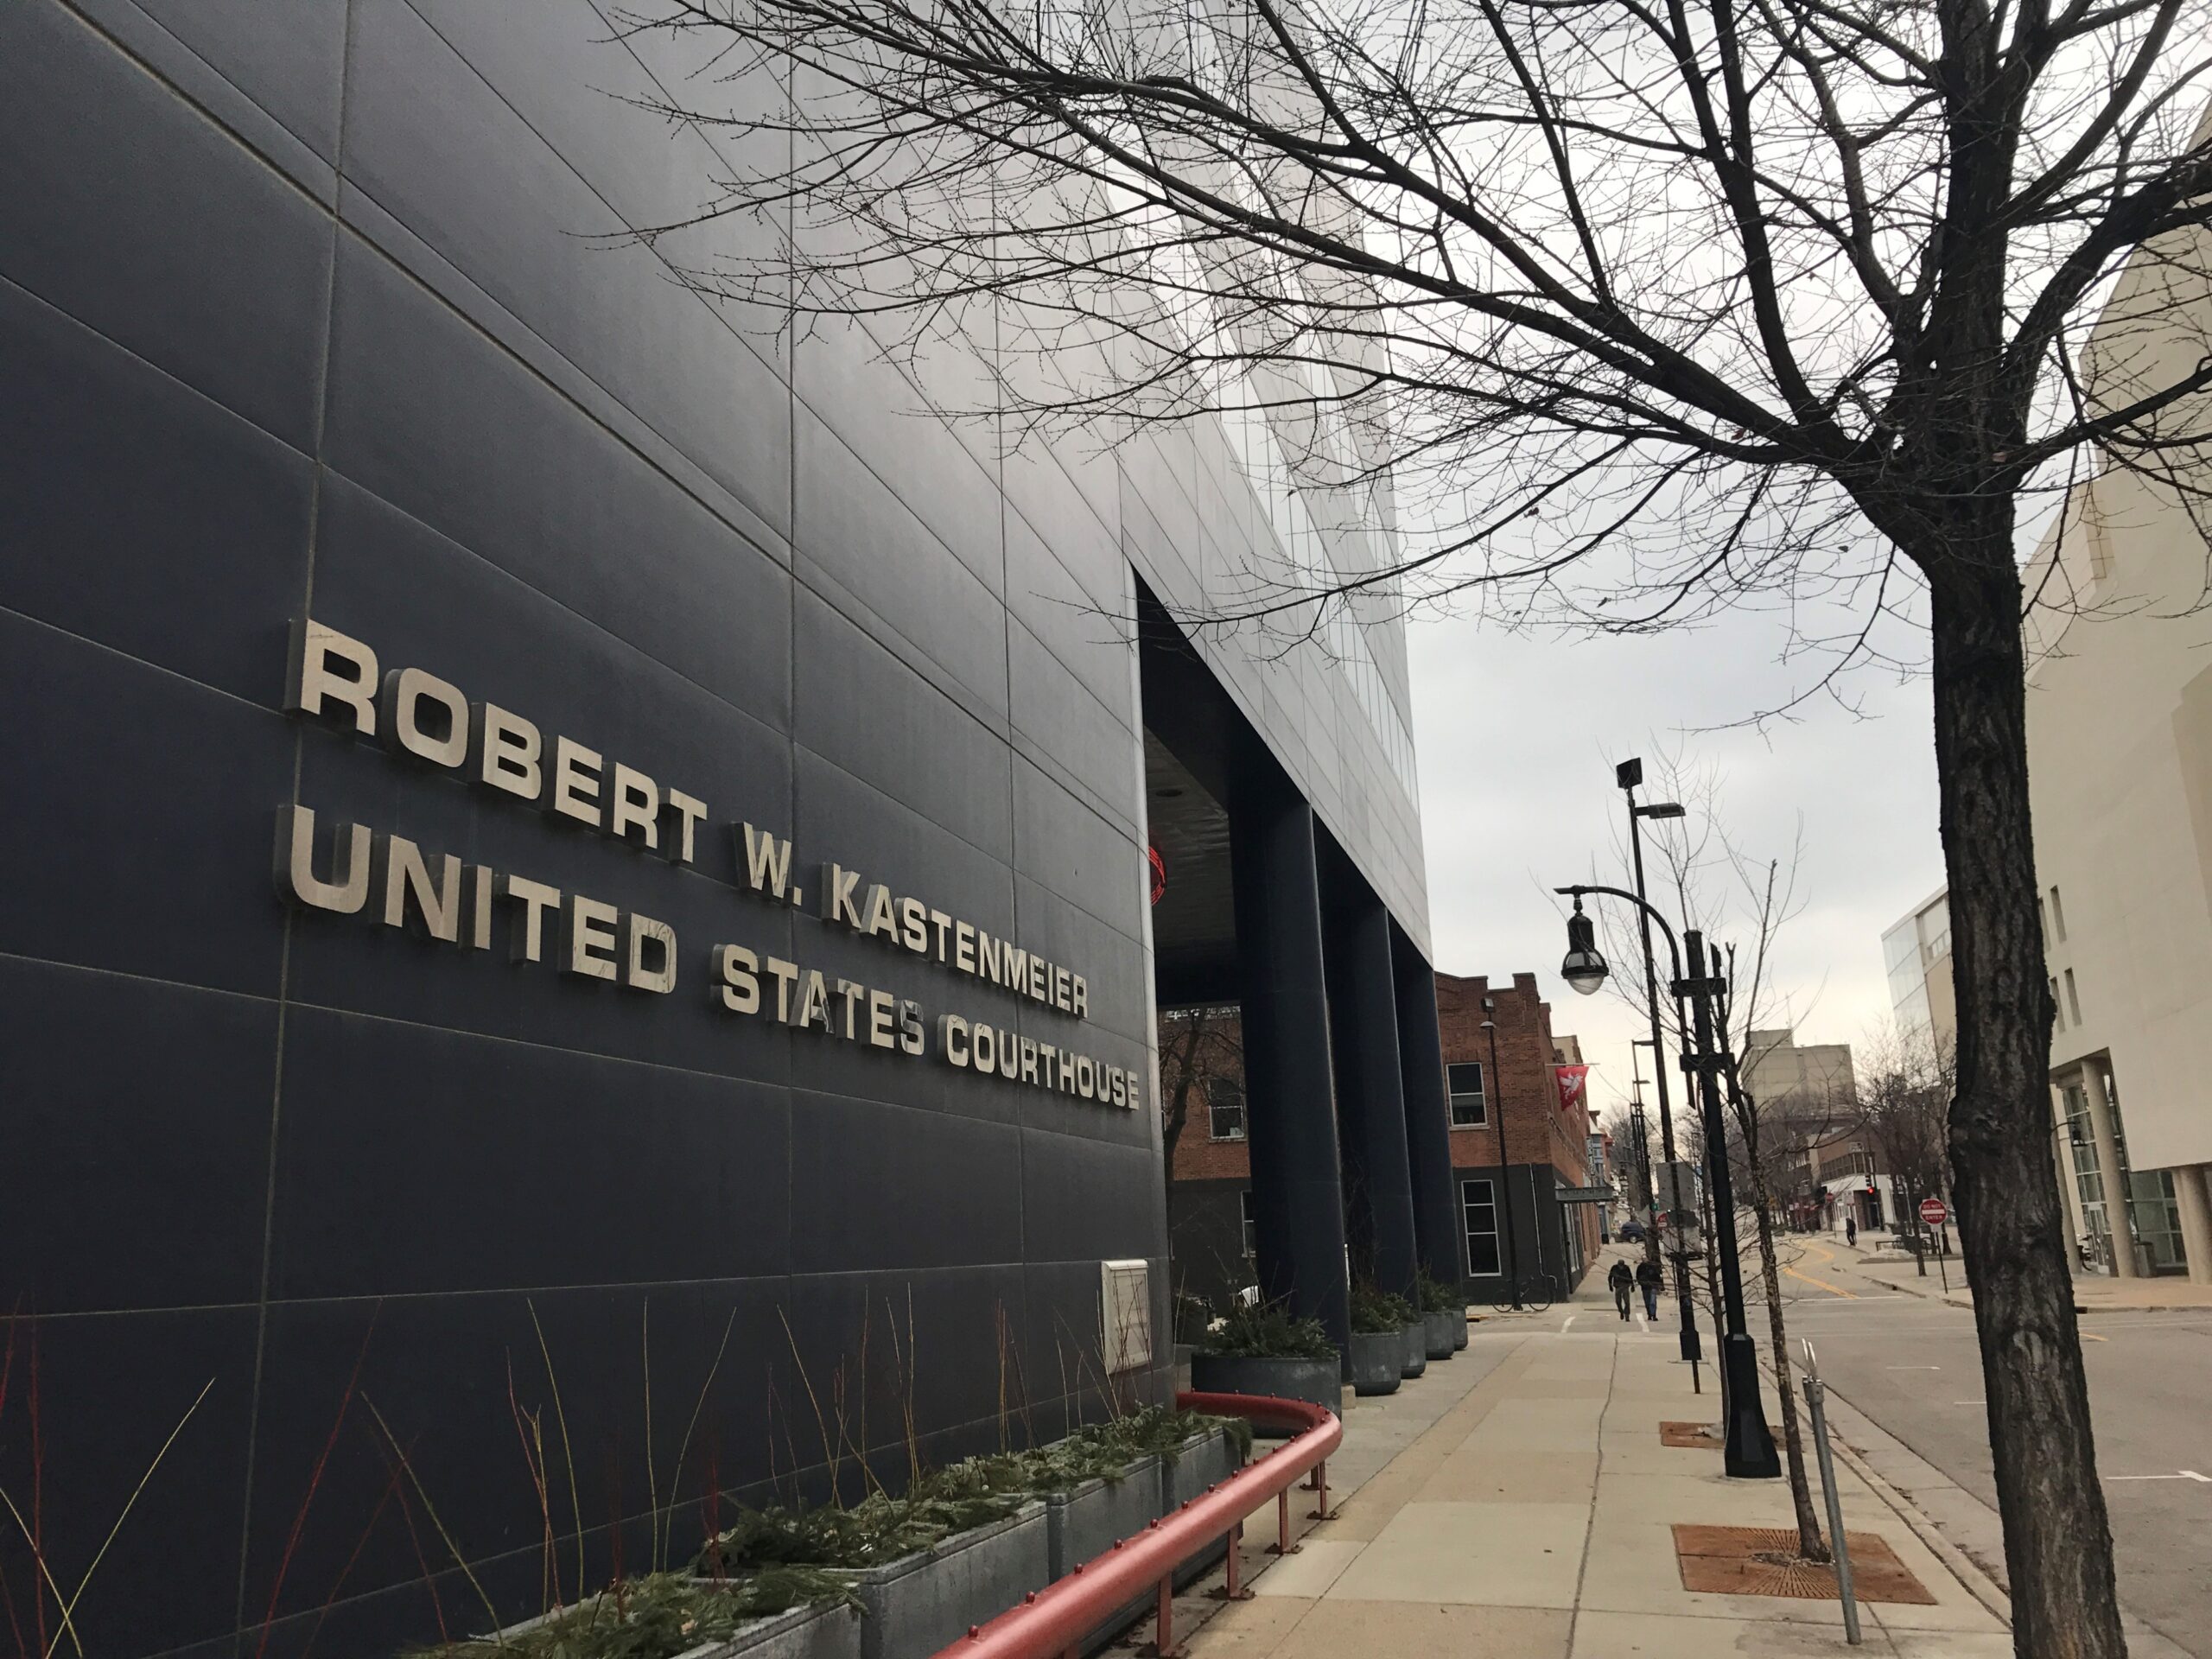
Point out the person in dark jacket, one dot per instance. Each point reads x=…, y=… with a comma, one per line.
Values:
x=1648, y=1279
x=1620, y=1281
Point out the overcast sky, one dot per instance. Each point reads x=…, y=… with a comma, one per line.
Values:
x=1516, y=738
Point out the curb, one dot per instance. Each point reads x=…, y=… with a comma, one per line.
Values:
x=1978, y=1584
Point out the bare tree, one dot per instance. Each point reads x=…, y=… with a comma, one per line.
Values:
x=1763, y=1138
x=1199, y=1048
x=1898, y=1117
x=1660, y=307
x=1700, y=875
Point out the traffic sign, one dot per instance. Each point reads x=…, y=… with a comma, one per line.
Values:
x=1934, y=1212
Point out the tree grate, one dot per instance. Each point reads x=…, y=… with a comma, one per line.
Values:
x=1763, y=1561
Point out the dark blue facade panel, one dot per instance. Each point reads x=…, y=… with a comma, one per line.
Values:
x=130, y=210
x=332, y=317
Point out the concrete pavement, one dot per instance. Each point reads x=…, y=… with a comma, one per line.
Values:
x=1527, y=1508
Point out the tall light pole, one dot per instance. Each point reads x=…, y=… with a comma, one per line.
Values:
x=1749, y=1447
x=1496, y=1092
x=1628, y=774
x=1650, y=1193
x=1747, y=1444
x=1650, y=1223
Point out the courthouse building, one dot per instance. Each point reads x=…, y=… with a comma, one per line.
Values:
x=576, y=868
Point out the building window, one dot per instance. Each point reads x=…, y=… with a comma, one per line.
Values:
x=1225, y=1109
x=2072, y=998
x=1469, y=1108
x=1251, y=1227
x=2058, y=915
x=2057, y=1013
x=1479, y=1199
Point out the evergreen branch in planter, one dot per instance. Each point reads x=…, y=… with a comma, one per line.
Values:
x=1267, y=1331
x=1437, y=1297
x=947, y=1501
x=1377, y=1312
x=656, y=1617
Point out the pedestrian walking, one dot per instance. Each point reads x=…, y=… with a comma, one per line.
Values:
x=1648, y=1281
x=1621, y=1280
x=1851, y=1231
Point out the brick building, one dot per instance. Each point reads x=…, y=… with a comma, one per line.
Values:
x=1205, y=1117
x=1210, y=1232
x=1545, y=1148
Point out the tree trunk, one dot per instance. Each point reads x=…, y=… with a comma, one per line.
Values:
x=1800, y=1489
x=2057, y=1542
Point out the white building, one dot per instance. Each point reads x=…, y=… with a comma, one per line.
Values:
x=2119, y=751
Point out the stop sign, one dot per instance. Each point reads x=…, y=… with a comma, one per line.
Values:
x=1933, y=1212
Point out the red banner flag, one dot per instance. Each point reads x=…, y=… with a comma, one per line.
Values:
x=1571, y=1080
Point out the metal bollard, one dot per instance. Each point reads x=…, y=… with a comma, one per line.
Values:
x=1815, y=1404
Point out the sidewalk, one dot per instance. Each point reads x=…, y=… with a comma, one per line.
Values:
x=1531, y=1512
x=2092, y=1293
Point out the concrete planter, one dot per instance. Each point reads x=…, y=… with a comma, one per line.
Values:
x=1202, y=1462
x=1413, y=1358
x=1085, y=1522
x=918, y=1604
x=1459, y=1329
x=1319, y=1381
x=802, y=1633
x=1443, y=1341
x=1378, y=1360
x=830, y=1631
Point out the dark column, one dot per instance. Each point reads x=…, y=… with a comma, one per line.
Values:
x=1370, y=1099
x=1437, y=1223
x=1297, y=1191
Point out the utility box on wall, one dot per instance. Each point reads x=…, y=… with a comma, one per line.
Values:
x=1125, y=1315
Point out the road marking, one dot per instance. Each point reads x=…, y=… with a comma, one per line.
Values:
x=2091, y=1336
x=1569, y=1325
x=1833, y=1290
x=1969, y=1402
x=2185, y=1474
x=1912, y=1368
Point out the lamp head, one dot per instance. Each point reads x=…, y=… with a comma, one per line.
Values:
x=1583, y=968
x=1660, y=810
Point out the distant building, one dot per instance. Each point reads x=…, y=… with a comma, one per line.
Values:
x=1211, y=1226
x=1806, y=1095
x=1546, y=1144
x=1917, y=953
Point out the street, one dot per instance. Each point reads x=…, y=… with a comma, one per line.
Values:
x=1911, y=1366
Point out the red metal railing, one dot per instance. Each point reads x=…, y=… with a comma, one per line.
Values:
x=1051, y=1621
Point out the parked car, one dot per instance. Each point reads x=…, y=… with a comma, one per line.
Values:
x=1631, y=1232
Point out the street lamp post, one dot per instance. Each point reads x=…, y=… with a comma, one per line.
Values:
x=1495, y=1090
x=1628, y=774
x=1643, y=1145
x=1748, y=1444
x=1749, y=1447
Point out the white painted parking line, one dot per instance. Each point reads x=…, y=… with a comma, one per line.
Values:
x=2181, y=1474
x=1912, y=1368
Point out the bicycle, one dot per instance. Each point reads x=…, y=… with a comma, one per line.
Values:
x=1538, y=1291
